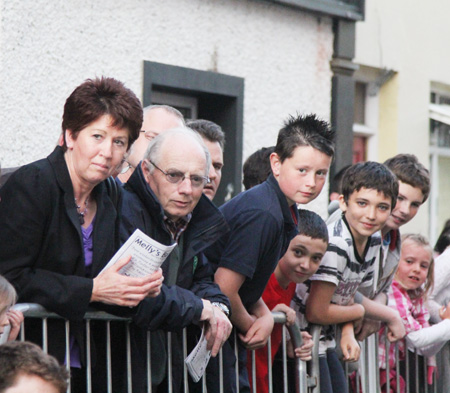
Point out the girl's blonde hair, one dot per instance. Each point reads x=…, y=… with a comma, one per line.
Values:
x=429, y=283
x=8, y=295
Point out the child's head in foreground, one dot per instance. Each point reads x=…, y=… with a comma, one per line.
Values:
x=414, y=188
x=415, y=271
x=8, y=298
x=305, y=251
x=26, y=368
x=302, y=157
x=369, y=192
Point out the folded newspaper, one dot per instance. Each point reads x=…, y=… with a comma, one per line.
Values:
x=147, y=255
x=198, y=359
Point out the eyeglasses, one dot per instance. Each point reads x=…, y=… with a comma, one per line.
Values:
x=176, y=177
x=149, y=134
x=126, y=168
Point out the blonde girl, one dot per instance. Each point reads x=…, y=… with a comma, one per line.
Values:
x=13, y=318
x=412, y=282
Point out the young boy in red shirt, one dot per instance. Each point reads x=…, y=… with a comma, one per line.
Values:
x=300, y=261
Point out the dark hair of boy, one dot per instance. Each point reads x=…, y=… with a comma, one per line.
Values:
x=257, y=167
x=335, y=184
x=370, y=175
x=443, y=240
x=311, y=224
x=19, y=358
x=409, y=170
x=304, y=131
x=208, y=130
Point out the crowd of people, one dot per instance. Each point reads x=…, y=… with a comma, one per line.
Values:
x=118, y=168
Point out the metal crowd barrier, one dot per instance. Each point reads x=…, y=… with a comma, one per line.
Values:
x=302, y=381
x=367, y=375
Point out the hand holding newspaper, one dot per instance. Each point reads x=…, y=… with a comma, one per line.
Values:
x=147, y=255
x=198, y=359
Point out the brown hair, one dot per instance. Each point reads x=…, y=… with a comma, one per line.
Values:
x=98, y=97
x=409, y=170
x=24, y=358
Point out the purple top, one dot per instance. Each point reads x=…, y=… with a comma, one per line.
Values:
x=88, y=246
x=75, y=360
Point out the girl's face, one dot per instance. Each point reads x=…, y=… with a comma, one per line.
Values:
x=3, y=318
x=414, y=264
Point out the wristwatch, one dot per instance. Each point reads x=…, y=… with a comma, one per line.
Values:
x=223, y=307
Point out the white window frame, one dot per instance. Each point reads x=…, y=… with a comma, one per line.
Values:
x=440, y=113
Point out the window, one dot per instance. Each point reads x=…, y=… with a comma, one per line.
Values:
x=365, y=124
x=439, y=112
x=204, y=95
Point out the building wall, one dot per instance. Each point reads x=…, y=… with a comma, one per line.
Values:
x=411, y=39
x=47, y=48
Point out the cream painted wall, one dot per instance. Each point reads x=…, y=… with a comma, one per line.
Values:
x=388, y=119
x=410, y=38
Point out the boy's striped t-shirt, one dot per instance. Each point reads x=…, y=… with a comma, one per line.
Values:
x=342, y=266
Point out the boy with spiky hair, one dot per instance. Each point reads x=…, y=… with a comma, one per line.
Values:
x=262, y=222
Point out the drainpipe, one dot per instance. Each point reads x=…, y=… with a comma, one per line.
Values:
x=343, y=91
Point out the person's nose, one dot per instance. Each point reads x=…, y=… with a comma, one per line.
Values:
x=4, y=321
x=405, y=206
x=107, y=149
x=371, y=212
x=306, y=263
x=212, y=173
x=185, y=187
x=416, y=267
x=311, y=180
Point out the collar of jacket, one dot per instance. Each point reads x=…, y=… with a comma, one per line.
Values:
x=205, y=227
x=105, y=216
x=289, y=223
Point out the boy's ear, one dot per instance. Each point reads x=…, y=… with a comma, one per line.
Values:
x=342, y=203
x=275, y=164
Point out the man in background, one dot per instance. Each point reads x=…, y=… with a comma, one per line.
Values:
x=157, y=119
x=214, y=139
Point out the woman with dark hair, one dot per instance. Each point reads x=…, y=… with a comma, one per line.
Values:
x=59, y=222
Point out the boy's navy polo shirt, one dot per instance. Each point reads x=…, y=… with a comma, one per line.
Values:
x=261, y=227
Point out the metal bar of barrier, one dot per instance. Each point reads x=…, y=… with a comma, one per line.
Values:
x=315, y=367
x=397, y=365
x=185, y=372
x=407, y=370
x=285, y=378
x=108, y=357
x=425, y=373
x=129, y=374
x=387, y=345
x=88, y=358
x=221, y=370
x=236, y=354
x=302, y=381
x=149, y=364
x=67, y=328
x=254, y=373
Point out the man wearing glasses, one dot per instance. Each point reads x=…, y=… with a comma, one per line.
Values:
x=164, y=198
x=157, y=119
